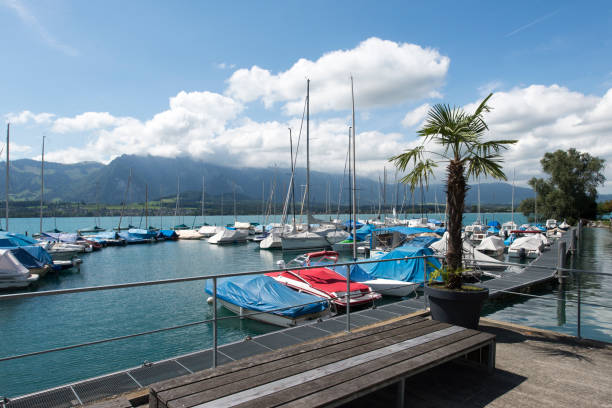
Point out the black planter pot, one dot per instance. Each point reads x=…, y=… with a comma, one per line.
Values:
x=461, y=308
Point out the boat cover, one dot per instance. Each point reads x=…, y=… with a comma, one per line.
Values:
x=11, y=240
x=28, y=260
x=349, y=224
x=409, y=270
x=168, y=234
x=493, y=230
x=129, y=237
x=423, y=241
x=324, y=279
x=69, y=238
x=142, y=233
x=492, y=243
x=262, y=293
x=107, y=235
x=10, y=266
x=494, y=224
x=363, y=232
x=405, y=230
x=528, y=243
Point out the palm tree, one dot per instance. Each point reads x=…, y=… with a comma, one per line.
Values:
x=461, y=136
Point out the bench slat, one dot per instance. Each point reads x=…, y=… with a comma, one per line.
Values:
x=311, y=357
x=289, y=351
x=362, y=385
x=248, y=391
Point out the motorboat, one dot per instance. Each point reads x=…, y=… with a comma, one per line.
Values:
x=228, y=236
x=189, y=234
x=564, y=226
x=507, y=227
x=304, y=240
x=12, y=273
x=471, y=255
x=551, y=224
x=262, y=298
x=327, y=284
x=207, y=231
x=526, y=247
x=492, y=245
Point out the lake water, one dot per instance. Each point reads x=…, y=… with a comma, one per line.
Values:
x=29, y=325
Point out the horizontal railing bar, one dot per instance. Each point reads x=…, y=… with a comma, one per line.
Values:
x=553, y=298
x=190, y=279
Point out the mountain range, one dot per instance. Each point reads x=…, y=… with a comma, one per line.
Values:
x=91, y=182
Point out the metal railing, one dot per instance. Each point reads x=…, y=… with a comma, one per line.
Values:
x=559, y=269
x=215, y=318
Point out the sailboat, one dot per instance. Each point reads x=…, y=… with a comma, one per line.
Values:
x=300, y=240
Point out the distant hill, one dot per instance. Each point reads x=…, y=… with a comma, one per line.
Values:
x=89, y=182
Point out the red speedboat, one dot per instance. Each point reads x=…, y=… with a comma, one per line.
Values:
x=326, y=283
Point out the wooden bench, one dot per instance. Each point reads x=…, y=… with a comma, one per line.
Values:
x=330, y=371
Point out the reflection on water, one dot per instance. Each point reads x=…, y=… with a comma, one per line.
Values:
x=559, y=311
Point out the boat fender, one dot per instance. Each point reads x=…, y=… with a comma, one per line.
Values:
x=209, y=300
x=280, y=264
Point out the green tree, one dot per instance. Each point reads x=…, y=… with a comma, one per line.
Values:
x=570, y=191
x=465, y=153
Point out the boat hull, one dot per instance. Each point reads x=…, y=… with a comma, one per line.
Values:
x=270, y=318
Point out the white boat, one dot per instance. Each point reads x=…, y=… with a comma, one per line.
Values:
x=189, y=234
x=336, y=236
x=526, y=247
x=508, y=226
x=305, y=240
x=551, y=224
x=564, y=226
x=63, y=251
x=391, y=287
x=228, y=236
x=208, y=231
x=471, y=255
x=492, y=245
x=272, y=240
x=12, y=273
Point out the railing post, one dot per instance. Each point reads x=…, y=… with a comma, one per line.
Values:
x=348, y=298
x=214, y=305
x=560, y=261
x=578, y=331
x=424, y=282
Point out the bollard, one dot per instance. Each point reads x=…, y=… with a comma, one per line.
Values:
x=561, y=261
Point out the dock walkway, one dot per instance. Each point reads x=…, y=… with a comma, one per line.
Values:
x=534, y=273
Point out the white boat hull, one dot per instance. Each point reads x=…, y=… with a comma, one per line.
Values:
x=390, y=287
x=303, y=241
x=271, y=318
x=18, y=282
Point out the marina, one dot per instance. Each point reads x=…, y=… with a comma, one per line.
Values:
x=261, y=342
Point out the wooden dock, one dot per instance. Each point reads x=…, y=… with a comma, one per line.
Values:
x=540, y=270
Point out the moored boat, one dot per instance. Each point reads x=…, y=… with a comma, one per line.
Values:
x=262, y=298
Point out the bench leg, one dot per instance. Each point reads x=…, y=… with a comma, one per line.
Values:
x=491, y=358
x=401, y=392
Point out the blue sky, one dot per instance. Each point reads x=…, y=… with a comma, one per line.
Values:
x=118, y=64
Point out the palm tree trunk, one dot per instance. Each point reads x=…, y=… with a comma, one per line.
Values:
x=456, y=189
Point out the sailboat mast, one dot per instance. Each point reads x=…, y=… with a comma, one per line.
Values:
x=292, y=178
x=235, y=219
x=8, y=133
x=354, y=180
x=307, y=155
x=513, y=179
x=178, y=195
x=479, y=221
x=146, y=206
x=124, y=200
x=203, y=189
x=350, y=181
x=42, y=182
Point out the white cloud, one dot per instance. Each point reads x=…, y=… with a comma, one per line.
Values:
x=225, y=65
x=385, y=73
x=28, y=18
x=489, y=87
x=26, y=116
x=415, y=116
x=547, y=118
x=18, y=148
x=87, y=121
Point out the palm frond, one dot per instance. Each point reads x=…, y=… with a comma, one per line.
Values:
x=420, y=174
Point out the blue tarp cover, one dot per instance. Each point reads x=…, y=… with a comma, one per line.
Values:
x=363, y=232
x=422, y=241
x=11, y=240
x=39, y=253
x=129, y=237
x=262, y=293
x=349, y=224
x=142, y=233
x=405, y=230
x=410, y=270
x=69, y=238
x=440, y=231
x=26, y=259
x=168, y=234
x=107, y=235
x=493, y=230
x=495, y=224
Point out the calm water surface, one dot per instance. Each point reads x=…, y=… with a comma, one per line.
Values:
x=29, y=325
